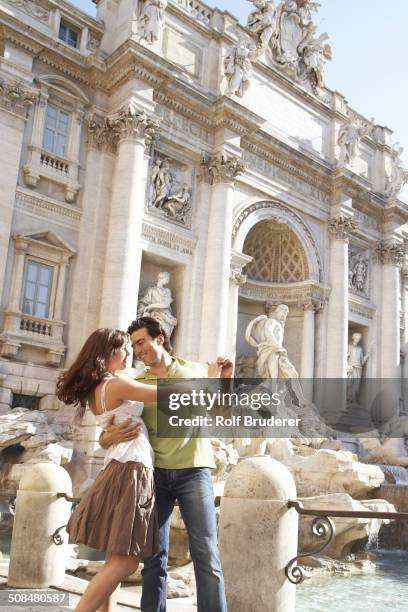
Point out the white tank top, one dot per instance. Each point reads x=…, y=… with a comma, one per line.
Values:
x=138, y=449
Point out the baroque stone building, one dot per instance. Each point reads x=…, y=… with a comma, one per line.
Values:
x=163, y=136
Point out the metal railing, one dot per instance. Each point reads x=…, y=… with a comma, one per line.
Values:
x=323, y=527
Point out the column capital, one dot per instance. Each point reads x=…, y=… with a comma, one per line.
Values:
x=222, y=168
x=341, y=227
x=311, y=304
x=104, y=133
x=390, y=252
x=101, y=133
x=237, y=278
x=135, y=124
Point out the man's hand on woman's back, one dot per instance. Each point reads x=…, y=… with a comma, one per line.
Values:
x=123, y=432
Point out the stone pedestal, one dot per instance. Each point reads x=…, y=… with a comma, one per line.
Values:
x=258, y=536
x=38, y=514
x=124, y=244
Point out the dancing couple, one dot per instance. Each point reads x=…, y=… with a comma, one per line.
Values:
x=127, y=511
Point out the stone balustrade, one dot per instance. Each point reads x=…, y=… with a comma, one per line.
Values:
x=54, y=163
x=23, y=330
x=198, y=10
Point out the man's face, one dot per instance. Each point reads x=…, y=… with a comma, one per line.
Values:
x=282, y=317
x=147, y=349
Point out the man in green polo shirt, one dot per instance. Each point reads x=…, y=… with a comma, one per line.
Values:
x=182, y=474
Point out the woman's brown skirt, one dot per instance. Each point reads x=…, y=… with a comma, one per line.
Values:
x=117, y=514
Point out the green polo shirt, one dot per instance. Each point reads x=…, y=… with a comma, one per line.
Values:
x=177, y=453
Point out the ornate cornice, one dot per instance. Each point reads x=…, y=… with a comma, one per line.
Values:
x=16, y=96
x=222, y=168
x=49, y=209
x=341, y=227
x=390, y=252
x=282, y=160
x=296, y=294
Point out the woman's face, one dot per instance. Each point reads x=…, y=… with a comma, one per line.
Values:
x=118, y=359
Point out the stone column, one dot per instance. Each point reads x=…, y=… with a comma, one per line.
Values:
x=391, y=254
x=124, y=245
x=308, y=348
x=20, y=249
x=92, y=242
x=221, y=172
x=404, y=347
x=74, y=145
x=198, y=266
x=15, y=98
x=340, y=228
x=62, y=281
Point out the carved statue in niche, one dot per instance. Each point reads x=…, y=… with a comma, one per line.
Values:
x=151, y=20
x=238, y=69
x=358, y=272
x=266, y=334
x=356, y=361
x=349, y=139
x=399, y=175
x=163, y=181
x=156, y=302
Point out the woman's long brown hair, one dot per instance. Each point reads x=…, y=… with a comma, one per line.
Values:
x=90, y=367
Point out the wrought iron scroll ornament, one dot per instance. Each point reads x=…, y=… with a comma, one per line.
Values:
x=56, y=536
x=324, y=527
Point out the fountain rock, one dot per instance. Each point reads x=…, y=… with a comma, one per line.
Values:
x=391, y=451
x=328, y=471
x=349, y=531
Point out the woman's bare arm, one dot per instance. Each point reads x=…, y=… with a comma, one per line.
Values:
x=123, y=389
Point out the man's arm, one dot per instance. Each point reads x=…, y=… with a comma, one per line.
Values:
x=123, y=432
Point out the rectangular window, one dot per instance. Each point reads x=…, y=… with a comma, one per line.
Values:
x=37, y=289
x=68, y=34
x=56, y=130
x=31, y=402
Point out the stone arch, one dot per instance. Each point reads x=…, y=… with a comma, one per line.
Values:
x=63, y=84
x=271, y=210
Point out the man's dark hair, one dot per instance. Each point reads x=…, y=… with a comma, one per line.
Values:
x=154, y=330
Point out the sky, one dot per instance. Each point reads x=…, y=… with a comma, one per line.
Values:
x=369, y=39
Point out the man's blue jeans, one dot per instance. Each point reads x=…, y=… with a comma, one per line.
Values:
x=193, y=490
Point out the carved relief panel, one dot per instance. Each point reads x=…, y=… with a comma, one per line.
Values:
x=170, y=189
x=359, y=271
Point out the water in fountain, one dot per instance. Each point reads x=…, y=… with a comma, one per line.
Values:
x=395, y=474
x=361, y=592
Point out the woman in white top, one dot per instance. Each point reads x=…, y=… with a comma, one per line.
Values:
x=117, y=514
